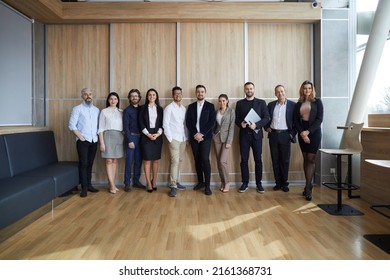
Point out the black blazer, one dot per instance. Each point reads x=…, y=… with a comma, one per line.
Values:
x=260, y=108
x=143, y=122
x=315, y=118
x=290, y=105
x=206, y=121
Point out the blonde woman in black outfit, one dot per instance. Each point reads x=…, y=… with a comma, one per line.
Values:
x=308, y=115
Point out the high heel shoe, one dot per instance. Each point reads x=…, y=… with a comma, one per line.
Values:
x=112, y=191
x=309, y=193
x=153, y=188
x=149, y=189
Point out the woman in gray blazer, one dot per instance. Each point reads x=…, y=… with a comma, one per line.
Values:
x=223, y=133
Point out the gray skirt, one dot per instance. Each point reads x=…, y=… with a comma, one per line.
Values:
x=113, y=140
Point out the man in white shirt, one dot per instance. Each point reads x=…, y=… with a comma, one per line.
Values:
x=176, y=134
x=84, y=124
x=281, y=133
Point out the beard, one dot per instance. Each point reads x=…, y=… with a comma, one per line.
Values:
x=134, y=103
x=88, y=101
x=249, y=94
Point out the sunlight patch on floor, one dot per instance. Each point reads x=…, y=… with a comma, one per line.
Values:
x=205, y=231
x=307, y=208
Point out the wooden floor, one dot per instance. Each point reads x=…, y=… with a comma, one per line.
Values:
x=151, y=226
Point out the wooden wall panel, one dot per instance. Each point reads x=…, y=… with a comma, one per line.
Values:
x=77, y=56
x=212, y=54
x=143, y=57
x=279, y=54
x=374, y=180
x=379, y=120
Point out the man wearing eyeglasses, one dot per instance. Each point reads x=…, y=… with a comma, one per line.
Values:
x=132, y=137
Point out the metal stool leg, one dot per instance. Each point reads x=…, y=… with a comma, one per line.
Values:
x=350, y=195
x=339, y=209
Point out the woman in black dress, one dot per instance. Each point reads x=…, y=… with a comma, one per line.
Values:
x=308, y=115
x=150, y=122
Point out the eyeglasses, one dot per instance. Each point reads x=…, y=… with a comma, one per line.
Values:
x=177, y=93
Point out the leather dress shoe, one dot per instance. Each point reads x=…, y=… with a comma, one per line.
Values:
x=92, y=189
x=208, y=191
x=127, y=189
x=198, y=186
x=139, y=185
x=276, y=188
x=285, y=189
x=83, y=193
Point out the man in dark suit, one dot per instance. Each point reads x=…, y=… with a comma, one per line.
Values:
x=200, y=119
x=251, y=134
x=281, y=133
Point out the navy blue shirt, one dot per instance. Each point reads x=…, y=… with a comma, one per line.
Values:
x=130, y=122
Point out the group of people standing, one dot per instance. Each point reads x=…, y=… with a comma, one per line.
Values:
x=141, y=129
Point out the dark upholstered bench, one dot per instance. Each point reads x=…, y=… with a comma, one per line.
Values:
x=30, y=174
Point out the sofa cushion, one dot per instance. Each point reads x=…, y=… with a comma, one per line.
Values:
x=65, y=175
x=30, y=150
x=22, y=195
x=4, y=162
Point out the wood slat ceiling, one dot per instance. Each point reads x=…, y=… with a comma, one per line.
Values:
x=55, y=11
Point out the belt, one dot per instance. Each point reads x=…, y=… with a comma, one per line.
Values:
x=135, y=134
x=279, y=130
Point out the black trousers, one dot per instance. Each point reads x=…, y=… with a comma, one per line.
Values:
x=86, y=152
x=201, y=152
x=248, y=141
x=280, y=147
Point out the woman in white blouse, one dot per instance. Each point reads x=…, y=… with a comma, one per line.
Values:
x=111, y=137
x=150, y=121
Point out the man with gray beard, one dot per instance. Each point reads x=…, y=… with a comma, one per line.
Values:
x=84, y=124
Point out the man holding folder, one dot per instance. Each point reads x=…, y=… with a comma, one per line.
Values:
x=251, y=116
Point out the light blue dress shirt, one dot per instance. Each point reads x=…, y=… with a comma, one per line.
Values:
x=84, y=118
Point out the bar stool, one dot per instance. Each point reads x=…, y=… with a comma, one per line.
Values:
x=352, y=147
